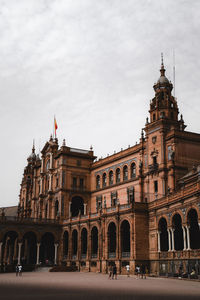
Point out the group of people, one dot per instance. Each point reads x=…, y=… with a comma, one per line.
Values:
x=112, y=272
x=18, y=270
x=140, y=272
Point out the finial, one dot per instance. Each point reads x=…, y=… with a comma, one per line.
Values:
x=91, y=148
x=33, y=149
x=162, y=70
x=64, y=143
x=142, y=134
x=162, y=59
x=51, y=138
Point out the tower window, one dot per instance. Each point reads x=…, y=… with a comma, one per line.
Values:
x=154, y=117
x=74, y=183
x=155, y=160
x=156, y=186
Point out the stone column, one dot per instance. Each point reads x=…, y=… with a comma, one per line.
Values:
x=188, y=237
x=1, y=243
x=50, y=182
x=70, y=209
x=158, y=234
x=172, y=231
x=56, y=250
x=38, y=254
x=184, y=238
x=15, y=250
x=42, y=165
x=169, y=239
x=85, y=208
x=19, y=253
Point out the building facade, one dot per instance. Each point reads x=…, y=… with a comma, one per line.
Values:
x=138, y=206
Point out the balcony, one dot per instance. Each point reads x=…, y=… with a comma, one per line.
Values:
x=153, y=168
x=125, y=254
x=76, y=188
x=111, y=254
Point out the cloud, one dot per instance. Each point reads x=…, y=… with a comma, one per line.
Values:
x=93, y=64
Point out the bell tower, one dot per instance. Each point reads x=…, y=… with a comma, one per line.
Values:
x=164, y=105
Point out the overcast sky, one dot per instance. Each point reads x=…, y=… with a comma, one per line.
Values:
x=92, y=63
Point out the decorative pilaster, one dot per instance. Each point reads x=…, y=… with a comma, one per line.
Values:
x=169, y=240
x=56, y=251
x=38, y=254
x=188, y=237
x=184, y=238
x=19, y=253
x=158, y=235
x=172, y=231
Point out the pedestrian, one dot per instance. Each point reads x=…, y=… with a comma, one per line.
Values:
x=143, y=275
x=114, y=274
x=137, y=272
x=128, y=270
x=17, y=270
x=20, y=270
x=110, y=272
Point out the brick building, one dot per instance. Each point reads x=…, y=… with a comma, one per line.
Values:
x=138, y=206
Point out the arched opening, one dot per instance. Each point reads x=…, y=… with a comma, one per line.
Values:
x=125, y=239
x=110, y=177
x=56, y=208
x=83, y=243
x=117, y=175
x=74, y=243
x=47, y=249
x=98, y=182
x=162, y=227
x=29, y=249
x=65, y=244
x=194, y=229
x=178, y=232
x=112, y=240
x=104, y=179
x=125, y=173
x=9, y=249
x=77, y=206
x=133, y=170
x=94, y=241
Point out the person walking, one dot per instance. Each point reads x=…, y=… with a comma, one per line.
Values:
x=114, y=272
x=143, y=275
x=20, y=270
x=17, y=270
x=110, y=272
x=128, y=270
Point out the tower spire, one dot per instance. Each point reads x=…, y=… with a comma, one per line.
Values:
x=162, y=69
x=33, y=149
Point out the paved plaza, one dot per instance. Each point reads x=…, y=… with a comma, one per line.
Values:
x=46, y=285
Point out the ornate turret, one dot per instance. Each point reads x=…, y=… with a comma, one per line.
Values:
x=32, y=156
x=163, y=105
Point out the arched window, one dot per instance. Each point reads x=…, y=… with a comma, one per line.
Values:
x=74, y=243
x=104, y=179
x=94, y=241
x=47, y=164
x=77, y=206
x=125, y=239
x=56, y=208
x=194, y=229
x=125, y=173
x=46, y=210
x=117, y=175
x=98, y=182
x=133, y=170
x=65, y=243
x=83, y=243
x=112, y=239
x=178, y=232
x=162, y=227
x=111, y=178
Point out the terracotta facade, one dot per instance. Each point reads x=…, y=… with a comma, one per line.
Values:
x=138, y=206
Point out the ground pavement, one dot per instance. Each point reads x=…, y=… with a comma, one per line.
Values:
x=93, y=286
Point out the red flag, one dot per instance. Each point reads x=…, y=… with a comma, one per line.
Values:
x=55, y=126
